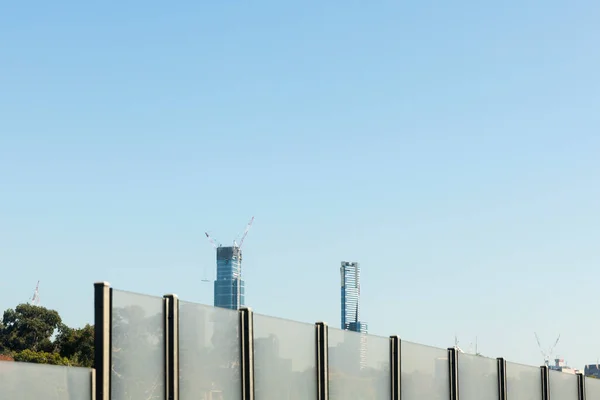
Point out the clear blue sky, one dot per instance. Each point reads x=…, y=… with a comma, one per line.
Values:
x=452, y=149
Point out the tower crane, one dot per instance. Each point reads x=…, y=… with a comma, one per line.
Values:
x=245, y=233
x=546, y=353
x=35, y=299
x=239, y=274
x=214, y=244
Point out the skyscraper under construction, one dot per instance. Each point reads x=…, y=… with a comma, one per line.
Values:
x=229, y=288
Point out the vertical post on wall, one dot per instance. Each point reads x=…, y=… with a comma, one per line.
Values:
x=171, y=332
x=395, y=368
x=102, y=338
x=545, y=372
x=93, y=384
x=246, y=324
x=453, y=372
x=322, y=356
x=581, y=386
x=501, y=378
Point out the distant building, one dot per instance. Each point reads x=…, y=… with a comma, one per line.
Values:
x=592, y=370
x=561, y=366
x=229, y=290
x=350, y=310
x=350, y=297
x=361, y=327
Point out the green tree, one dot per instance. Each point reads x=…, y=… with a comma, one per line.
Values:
x=26, y=334
x=41, y=357
x=29, y=327
x=76, y=344
x=3, y=349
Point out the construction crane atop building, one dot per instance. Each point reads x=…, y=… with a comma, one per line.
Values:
x=548, y=352
x=244, y=234
x=237, y=250
x=229, y=267
x=35, y=299
x=212, y=241
x=216, y=244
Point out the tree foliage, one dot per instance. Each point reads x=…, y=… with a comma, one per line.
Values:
x=41, y=357
x=29, y=327
x=36, y=334
x=76, y=345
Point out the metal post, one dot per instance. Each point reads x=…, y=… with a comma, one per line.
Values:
x=93, y=384
x=453, y=372
x=501, y=362
x=322, y=353
x=395, y=368
x=171, y=332
x=581, y=385
x=102, y=338
x=246, y=324
x=545, y=372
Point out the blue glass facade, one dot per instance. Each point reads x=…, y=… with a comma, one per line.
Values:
x=350, y=296
x=229, y=289
x=350, y=285
x=361, y=327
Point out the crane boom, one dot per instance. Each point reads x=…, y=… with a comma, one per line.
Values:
x=212, y=242
x=546, y=353
x=246, y=232
x=35, y=299
x=554, y=345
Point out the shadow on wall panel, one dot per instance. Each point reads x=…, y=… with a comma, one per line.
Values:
x=478, y=377
x=36, y=381
x=424, y=372
x=523, y=382
x=209, y=353
x=358, y=366
x=284, y=359
x=137, y=347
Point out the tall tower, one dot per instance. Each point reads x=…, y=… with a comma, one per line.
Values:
x=229, y=289
x=350, y=274
x=350, y=285
x=229, y=285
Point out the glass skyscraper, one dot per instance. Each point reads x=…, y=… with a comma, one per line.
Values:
x=350, y=275
x=350, y=292
x=229, y=285
x=361, y=327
